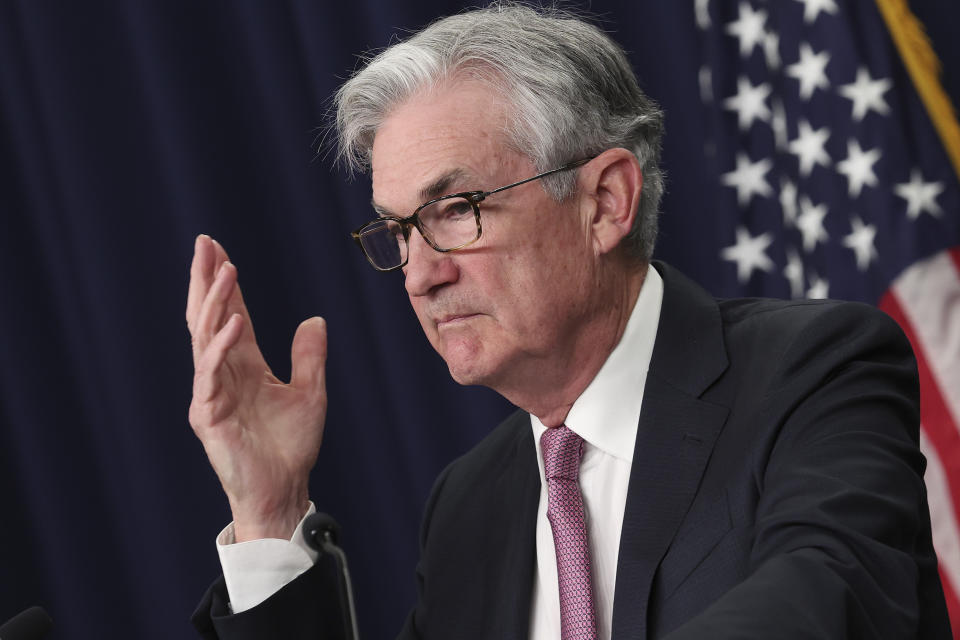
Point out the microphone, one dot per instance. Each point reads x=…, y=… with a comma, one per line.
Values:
x=31, y=624
x=321, y=532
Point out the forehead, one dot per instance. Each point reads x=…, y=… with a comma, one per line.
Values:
x=450, y=137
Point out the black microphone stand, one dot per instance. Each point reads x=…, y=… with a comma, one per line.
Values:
x=321, y=532
x=31, y=624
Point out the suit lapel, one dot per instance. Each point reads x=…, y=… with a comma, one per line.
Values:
x=519, y=485
x=674, y=442
x=675, y=437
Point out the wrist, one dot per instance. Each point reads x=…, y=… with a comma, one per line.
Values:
x=269, y=521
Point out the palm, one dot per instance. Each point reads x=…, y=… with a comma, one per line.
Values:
x=266, y=424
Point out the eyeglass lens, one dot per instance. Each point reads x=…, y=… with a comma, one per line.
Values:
x=446, y=224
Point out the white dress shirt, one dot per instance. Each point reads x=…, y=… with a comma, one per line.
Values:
x=605, y=415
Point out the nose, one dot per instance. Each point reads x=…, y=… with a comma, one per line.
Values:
x=426, y=268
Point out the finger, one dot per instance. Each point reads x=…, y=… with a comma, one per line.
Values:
x=201, y=276
x=207, y=380
x=309, y=355
x=219, y=252
x=214, y=309
x=235, y=304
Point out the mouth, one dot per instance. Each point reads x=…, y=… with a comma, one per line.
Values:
x=454, y=319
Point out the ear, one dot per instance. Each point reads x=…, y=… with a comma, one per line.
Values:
x=611, y=185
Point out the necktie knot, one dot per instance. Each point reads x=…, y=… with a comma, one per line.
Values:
x=562, y=450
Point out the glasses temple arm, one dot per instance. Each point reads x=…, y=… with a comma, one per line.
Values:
x=571, y=165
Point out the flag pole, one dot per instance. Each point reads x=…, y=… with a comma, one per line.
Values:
x=924, y=67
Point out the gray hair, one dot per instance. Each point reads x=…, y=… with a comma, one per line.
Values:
x=572, y=91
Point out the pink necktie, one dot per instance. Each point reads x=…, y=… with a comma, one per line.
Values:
x=562, y=449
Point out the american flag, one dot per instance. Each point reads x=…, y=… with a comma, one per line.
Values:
x=838, y=182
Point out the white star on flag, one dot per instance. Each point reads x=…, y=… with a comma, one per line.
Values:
x=748, y=28
x=705, y=79
x=861, y=241
x=819, y=288
x=810, y=223
x=793, y=272
x=749, y=253
x=808, y=147
x=810, y=70
x=771, y=49
x=778, y=122
x=920, y=196
x=702, y=10
x=858, y=167
x=749, y=103
x=867, y=94
x=788, y=202
x=748, y=178
x=812, y=9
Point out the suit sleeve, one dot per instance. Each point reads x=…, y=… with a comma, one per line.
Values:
x=842, y=534
x=308, y=608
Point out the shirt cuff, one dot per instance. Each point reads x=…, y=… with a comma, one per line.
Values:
x=257, y=569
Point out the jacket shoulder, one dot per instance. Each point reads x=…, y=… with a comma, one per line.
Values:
x=779, y=328
x=490, y=456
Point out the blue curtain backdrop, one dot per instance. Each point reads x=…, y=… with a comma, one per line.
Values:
x=127, y=128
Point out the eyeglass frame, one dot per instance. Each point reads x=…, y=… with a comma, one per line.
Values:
x=473, y=197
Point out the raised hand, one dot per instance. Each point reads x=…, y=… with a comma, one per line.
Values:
x=261, y=435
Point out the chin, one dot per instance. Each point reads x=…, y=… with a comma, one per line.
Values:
x=466, y=373
x=460, y=378
x=466, y=363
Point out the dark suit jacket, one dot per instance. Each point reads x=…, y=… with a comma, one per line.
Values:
x=776, y=491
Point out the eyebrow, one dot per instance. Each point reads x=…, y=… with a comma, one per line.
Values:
x=439, y=187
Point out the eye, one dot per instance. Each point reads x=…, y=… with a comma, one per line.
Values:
x=456, y=208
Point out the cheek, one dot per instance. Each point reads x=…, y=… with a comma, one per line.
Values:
x=545, y=267
x=555, y=286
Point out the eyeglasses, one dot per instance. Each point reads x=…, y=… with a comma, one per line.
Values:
x=447, y=223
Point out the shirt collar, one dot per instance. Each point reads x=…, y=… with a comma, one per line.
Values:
x=608, y=411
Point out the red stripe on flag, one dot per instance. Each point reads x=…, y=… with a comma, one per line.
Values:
x=953, y=604
x=937, y=424
x=934, y=414
x=955, y=255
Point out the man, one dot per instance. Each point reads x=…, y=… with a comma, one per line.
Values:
x=679, y=466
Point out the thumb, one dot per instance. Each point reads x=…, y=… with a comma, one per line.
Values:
x=309, y=354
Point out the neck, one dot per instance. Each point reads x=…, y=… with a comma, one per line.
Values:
x=550, y=391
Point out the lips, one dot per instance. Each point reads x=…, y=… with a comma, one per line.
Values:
x=453, y=319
